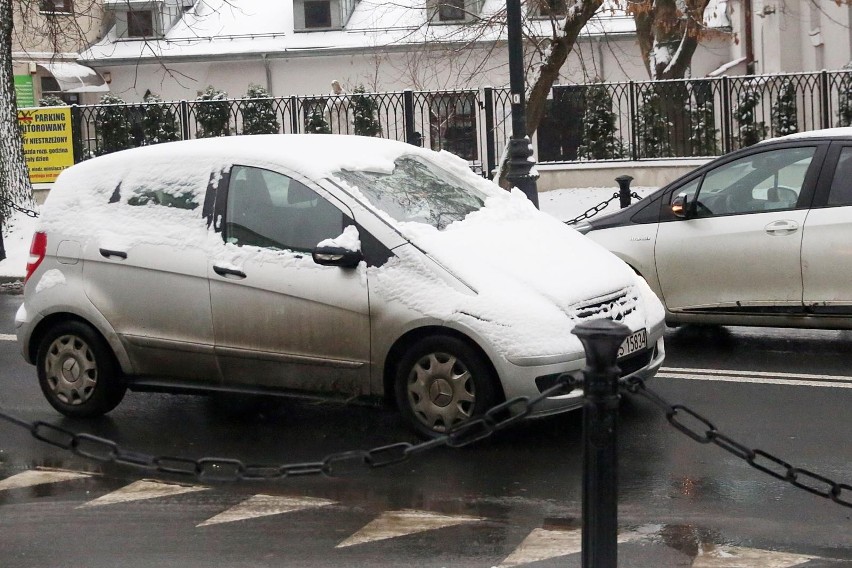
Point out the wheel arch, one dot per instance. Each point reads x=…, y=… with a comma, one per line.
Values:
x=50, y=321
x=404, y=342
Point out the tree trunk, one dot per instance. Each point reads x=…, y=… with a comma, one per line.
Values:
x=579, y=12
x=15, y=186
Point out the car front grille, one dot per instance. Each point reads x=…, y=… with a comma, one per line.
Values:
x=615, y=306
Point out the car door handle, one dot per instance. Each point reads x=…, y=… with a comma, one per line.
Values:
x=227, y=272
x=107, y=253
x=785, y=227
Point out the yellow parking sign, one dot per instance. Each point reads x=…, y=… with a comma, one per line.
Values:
x=48, y=144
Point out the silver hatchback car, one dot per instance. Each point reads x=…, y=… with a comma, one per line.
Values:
x=338, y=266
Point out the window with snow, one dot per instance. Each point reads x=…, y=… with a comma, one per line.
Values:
x=317, y=14
x=548, y=8
x=453, y=11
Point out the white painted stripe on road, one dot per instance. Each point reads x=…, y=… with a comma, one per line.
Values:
x=8, y=337
x=264, y=506
x=757, y=380
x=544, y=544
x=400, y=523
x=39, y=477
x=733, y=372
x=140, y=490
x=737, y=557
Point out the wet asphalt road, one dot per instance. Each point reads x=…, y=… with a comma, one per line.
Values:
x=689, y=504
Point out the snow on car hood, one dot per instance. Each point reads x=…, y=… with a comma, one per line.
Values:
x=527, y=272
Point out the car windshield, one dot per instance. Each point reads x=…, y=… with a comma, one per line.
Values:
x=417, y=191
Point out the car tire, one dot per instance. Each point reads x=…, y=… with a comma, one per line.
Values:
x=77, y=371
x=442, y=381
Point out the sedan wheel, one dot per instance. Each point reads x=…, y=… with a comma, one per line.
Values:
x=442, y=382
x=77, y=372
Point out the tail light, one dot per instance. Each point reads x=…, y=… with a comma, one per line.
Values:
x=38, y=249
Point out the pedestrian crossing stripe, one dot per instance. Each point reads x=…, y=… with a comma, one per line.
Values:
x=737, y=557
x=401, y=523
x=40, y=477
x=8, y=337
x=264, y=506
x=142, y=490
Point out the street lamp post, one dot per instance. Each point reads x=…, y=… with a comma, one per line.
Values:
x=520, y=171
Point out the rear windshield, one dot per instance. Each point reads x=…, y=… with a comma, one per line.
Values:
x=417, y=191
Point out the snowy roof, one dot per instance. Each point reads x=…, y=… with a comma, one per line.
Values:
x=234, y=28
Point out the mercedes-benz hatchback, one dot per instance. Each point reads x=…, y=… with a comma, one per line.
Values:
x=338, y=266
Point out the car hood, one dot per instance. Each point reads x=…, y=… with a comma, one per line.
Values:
x=529, y=278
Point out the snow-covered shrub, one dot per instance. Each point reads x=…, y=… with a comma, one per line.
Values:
x=317, y=123
x=784, y=112
x=599, y=139
x=159, y=122
x=703, y=131
x=51, y=101
x=113, y=125
x=653, y=127
x=213, y=113
x=751, y=131
x=364, y=110
x=259, y=112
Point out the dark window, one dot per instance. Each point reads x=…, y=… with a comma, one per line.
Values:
x=54, y=6
x=451, y=10
x=317, y=14
x=140, y=23
x=550, y=7
x=270, y=210
x=841, y=185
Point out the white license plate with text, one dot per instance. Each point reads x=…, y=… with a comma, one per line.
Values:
x=636, y=341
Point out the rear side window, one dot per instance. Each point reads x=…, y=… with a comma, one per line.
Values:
x=841, y=185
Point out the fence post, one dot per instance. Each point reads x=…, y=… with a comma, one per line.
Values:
x=2, y=246
x=77, y=133
x=601, y=340
x=825, y=99
x=408, y=113
x=294, y=115
x=727, y=117
x=490, y=146
x=184, y=119
x=634, y=136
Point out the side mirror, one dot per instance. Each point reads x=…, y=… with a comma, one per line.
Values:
x=337, y=256
x=680, y=206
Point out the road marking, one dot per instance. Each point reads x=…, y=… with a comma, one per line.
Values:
x=732, y=376
x=737, y=557
x=544, y=544
x=143, y=489
x=39, y=477
x=264, y=506
x=8, y=337
x=400, y=523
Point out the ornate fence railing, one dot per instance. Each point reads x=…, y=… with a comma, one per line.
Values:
x=605, y=121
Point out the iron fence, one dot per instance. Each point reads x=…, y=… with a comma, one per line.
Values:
x=606, y=121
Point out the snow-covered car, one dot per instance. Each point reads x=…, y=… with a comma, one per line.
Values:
x=758, y=237
x=339, y=266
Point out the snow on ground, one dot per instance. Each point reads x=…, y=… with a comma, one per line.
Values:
x=564, y=204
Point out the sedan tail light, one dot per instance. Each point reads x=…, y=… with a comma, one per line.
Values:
x=38, y=249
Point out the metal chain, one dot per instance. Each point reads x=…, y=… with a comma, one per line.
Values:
x=226, y=469
x=704, y=432
x=592, y=211
x=16, y=207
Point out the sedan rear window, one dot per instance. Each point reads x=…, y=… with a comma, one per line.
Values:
x=417, y=191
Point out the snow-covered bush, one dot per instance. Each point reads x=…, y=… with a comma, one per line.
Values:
x=703, y=131
x=213, y=113
x=599, y=139
x=317, y=123
x=364, y=110
x=159, y=122
x=751, y=131
x=653, y=127
x=784, y=112
x=113, y=125
x=51, y=101
x=259, y=112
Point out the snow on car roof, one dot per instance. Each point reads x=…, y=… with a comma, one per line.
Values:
x=839, y=132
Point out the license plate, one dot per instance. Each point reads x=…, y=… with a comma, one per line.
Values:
x=636, y=341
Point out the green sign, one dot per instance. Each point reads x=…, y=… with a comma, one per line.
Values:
x=24, y=91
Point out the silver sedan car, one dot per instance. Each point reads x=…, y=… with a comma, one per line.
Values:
x=314, y=265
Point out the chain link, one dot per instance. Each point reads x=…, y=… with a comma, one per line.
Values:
x=16, y=207
x=592, y=211
x=218, y=469
x=703, y=431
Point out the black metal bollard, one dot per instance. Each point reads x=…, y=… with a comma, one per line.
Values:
x=601, y=340
x=624, y=190
x=2, y=246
